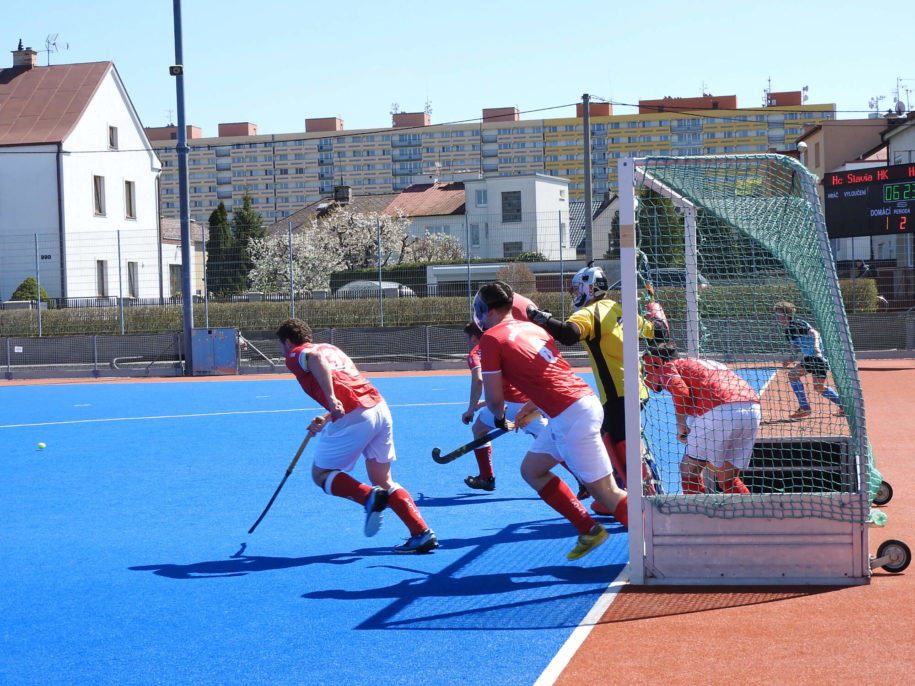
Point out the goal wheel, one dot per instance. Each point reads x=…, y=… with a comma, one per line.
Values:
x=898, y=553
x=884, y=493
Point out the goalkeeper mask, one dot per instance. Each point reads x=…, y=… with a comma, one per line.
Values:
x=587, y=284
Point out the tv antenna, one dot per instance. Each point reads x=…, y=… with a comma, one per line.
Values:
x=51, y=44
x=874, y=103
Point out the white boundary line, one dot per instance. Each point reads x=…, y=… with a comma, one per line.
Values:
x=573, y=643
x=201, y=414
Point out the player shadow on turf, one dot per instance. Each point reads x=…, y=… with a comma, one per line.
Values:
x=242, y=565
x=504, y=599
x=465, y=499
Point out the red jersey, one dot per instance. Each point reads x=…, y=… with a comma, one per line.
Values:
x=697, y=386
x=350, y=387
x=509, y=393
x=528, y=359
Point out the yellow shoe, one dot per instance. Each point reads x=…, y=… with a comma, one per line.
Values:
x=588, y=542
x=799, y=414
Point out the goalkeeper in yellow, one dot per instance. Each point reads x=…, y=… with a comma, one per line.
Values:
x=597, y=324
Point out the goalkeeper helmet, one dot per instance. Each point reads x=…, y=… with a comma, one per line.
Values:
x=587, y=284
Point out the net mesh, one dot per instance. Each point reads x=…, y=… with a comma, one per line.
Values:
x=751, y=230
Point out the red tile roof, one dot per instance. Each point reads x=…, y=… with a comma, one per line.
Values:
x=317, y=209
x=43, y=104
x=426, y=200
x=171, y=230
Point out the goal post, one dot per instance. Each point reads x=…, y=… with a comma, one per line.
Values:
x=726, y=239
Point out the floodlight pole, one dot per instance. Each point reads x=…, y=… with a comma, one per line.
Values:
x=187, y=299
x=589, y=219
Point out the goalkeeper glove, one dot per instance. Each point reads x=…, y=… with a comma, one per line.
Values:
x=539, y=317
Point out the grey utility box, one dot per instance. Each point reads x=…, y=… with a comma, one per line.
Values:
x=215, y=351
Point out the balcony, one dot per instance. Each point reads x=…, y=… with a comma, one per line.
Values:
x=407, y=156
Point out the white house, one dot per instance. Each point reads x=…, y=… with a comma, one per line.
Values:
x=78, y=183
x=510, y=215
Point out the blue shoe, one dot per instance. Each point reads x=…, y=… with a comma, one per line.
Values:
x=377, y=501
x=424, y=542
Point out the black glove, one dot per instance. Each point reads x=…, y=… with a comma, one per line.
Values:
x=539, y=317
x=501, y=423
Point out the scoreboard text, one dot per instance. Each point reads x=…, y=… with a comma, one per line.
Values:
x=870, y=202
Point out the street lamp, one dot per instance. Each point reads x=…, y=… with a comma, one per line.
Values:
x=802, y=151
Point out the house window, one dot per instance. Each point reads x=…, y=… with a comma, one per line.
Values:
x=113, y=137
x=101, y=278
x=481, y=198
x=133, y=274
x=98, y=194
x=475, y=235
x=130, y=200
x=511, y=249
x=511, y=206
x=174, y=279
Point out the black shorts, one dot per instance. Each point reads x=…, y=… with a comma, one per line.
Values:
x=614, y=424
x=815, y=366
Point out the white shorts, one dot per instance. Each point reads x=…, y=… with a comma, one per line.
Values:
x=511, y=411
x=364, y=431
x=574, y=437
x=725, y=434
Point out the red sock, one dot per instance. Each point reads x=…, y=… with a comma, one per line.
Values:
x=484, y=461
x=736, y=485
x=692, y=485
x=617, y=455
x=621, y=513
x=402, y=503
x=559, y=496
x=345, y=486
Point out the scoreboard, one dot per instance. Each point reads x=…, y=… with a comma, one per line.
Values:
x=870, y=202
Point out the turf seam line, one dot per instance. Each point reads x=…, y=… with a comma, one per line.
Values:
x=201, y=414
x=565, y=654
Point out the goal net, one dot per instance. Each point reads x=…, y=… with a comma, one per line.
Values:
x=724, y=244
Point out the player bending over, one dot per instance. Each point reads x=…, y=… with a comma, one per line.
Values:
x=357, y=422
x=526, y=356
x=807, y=358
x=724, y=411
x=485, y=422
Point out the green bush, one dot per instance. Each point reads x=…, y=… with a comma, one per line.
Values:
x=28, y=290
x=736, y=300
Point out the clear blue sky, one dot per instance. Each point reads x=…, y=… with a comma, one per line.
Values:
x=276, y=62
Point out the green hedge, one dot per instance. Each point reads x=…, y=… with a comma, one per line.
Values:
x=734, y=301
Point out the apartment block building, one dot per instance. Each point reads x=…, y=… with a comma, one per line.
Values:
x=283, y=172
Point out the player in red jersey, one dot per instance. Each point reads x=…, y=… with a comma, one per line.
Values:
x=485, y=422
x=526, y=356
x=357, y=422
x=725, y=414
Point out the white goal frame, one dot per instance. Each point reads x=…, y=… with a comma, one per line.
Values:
x=676, y=548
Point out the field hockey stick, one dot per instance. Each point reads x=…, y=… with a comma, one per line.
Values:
x=295, y=459
x=474, y=444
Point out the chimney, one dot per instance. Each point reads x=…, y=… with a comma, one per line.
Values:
x=24, y=57
x=343, y=194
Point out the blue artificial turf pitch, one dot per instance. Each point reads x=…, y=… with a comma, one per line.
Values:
x=127, y=558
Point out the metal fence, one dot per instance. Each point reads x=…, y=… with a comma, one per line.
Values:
x=379, y=348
